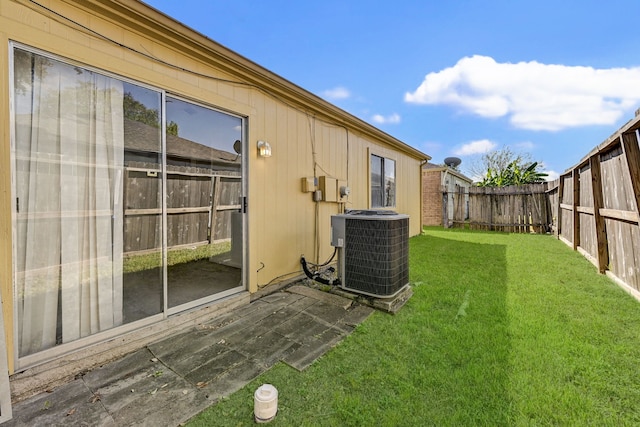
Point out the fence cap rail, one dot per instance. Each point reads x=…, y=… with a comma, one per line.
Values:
x=614, y=139
x=511, y=189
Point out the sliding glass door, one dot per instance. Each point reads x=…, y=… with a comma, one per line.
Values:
x=126, y=202
x=204, y=187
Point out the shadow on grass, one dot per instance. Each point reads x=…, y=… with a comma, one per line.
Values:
x=501, y=330
x=459, y=312
x=443, y=360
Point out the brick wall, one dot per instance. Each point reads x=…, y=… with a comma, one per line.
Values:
x=431, y=198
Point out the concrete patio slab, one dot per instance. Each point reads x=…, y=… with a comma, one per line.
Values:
x=171, y=380
x=321, y=296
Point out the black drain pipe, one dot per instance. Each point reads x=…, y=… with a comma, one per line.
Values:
x=316, y=276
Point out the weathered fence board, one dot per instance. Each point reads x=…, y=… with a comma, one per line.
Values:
x=592, y=207
x=553, y=201
x=566, y=209
x=598, y=207
x=515, y=209
x=623, y=235
x=586, y=214
x=460, y=208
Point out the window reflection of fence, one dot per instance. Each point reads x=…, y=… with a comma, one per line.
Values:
x=199, y=205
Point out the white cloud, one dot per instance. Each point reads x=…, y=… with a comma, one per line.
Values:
x=534, y=96
x=476, y=178
x=475, y=147
x=380, y=119
x=551, y=175
x=337, y=93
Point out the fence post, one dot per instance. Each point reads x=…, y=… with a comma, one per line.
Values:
x=491, y=209
x=598, y=203
x=559, y=213
x=632, y=154
x=576, y=203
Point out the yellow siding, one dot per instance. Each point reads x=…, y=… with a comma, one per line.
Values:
x=5, y=195
x=282, y=219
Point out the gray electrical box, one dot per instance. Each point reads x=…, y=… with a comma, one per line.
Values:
x=337, y=231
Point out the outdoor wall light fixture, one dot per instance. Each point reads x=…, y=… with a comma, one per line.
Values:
x=264, y=149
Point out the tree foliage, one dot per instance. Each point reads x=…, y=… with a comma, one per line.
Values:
x=496, y=160
x=137, y=111
x=514, y=174
x=504, y=167
x=172, y=128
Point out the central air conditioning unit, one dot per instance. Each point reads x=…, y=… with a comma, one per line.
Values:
x=373, y=251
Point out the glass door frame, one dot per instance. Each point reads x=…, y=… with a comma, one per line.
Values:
x=30, y=360
x=170, y=311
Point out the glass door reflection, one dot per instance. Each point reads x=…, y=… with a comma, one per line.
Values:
x=204, y=186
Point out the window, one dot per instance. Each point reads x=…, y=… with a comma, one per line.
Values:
x=383, y=182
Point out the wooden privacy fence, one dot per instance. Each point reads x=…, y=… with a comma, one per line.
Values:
x=593, y=207
x=199, y=206
x=596, y=205
x=514, y=209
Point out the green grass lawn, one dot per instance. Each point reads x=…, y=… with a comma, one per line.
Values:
x=502, y=329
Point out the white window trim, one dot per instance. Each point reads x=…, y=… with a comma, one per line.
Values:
x=385, y=155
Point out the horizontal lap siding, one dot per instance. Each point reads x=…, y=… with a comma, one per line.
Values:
x=6, y=253
x=283, y=222
x=284, y=218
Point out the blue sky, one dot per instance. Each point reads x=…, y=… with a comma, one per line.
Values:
x=551, y=79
